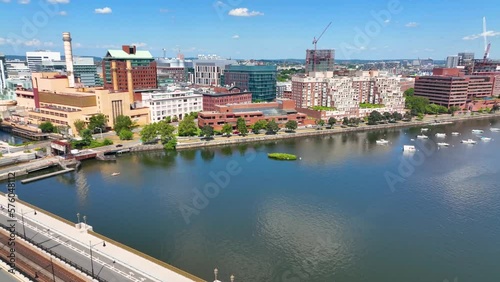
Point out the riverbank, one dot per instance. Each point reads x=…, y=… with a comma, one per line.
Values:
x=226, y=141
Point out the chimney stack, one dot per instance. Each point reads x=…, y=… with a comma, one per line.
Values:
x=68, y=54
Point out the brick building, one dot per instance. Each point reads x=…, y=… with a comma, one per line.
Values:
x=281, y=111
x=142, y=66
x=224, y=96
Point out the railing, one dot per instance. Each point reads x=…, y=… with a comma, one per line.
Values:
x=54, y=254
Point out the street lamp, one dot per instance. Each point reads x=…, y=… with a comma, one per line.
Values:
x=232, y=278
x=91, y=259
x=22, y=218
x=216, y=271
x=78, y=216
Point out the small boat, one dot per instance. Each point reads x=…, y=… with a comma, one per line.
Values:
x=477, y=131
x=422, y=136
x=424, y=129
x=469, y=141
x=486, y=139
x=409, y=148
x=382, y=142
x=443, y=144
x=412, y=139
x=115, y=174
x=495, y=129
x=455, y=133
x=441, y=135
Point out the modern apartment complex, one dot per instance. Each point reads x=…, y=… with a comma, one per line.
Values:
x=209, y=69
x=260, y=80
x=35, y=59
x=84, y=70
x=177, y=103
x=282, y=87
x=343, y=94
x=319, y=60
x=129, y=66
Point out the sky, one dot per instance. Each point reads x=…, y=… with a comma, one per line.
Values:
x=254, y=29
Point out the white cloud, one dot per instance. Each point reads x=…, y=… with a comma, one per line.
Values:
x=5, y=1
x=77, y=45
x=141, y=44
x=164, y=10
x=236, y=36
x=387, y=21
x=58, y=1
x=489, y=33
x=23, y=2
x=243, y=12
x=412, y=24
x=105, y=10
x=29, y=43
x=63, y=13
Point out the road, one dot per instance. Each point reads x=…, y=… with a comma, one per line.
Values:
x=107, y=268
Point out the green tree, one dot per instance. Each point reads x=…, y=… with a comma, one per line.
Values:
x=387, y=115
x=259, y=125
x=87, y=136
x=397, y=116
x=408, y=116
x=47, y=127
x=272, y=127
x=227, y=129
x=416, y=104
x=126, y=134
x=97, y=121
x=207, y=131
x=168, y=119
x=187, y=127
x=409, y=92
x=242, y=126
x=332, y=121
x=375, y=117
x=319, y=123
x=175, y=119
x=495, y=108
x=291, y=125
x=79, y=126
x=453, y=109
x=122, y=122
x=149, y=133
x=165, y=131
x=345, y=121
x=107, y=142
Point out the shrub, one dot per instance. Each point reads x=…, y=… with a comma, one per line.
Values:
x=282, y=156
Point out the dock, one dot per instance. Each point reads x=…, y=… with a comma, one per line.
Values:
x=24, y=181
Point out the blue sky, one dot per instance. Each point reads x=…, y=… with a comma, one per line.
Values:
x=253, y=29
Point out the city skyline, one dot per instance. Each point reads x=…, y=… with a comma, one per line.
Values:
x=252, y=29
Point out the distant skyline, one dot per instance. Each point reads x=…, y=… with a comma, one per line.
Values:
x=253, y=29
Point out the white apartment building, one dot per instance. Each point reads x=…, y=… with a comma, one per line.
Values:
x=177, y=103
x=345, y=93
x=3, y=72
x=282, y=87
x=34, y=59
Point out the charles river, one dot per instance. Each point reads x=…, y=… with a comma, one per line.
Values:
x=348, y=210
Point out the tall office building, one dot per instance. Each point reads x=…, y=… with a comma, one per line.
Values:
x=209, y=69
x=35, y=59
x=452, y=62
x=129, y=66
x=319, y=60
x=85, y=72
x=3, y=72
x=260, y=80
x=465, y=59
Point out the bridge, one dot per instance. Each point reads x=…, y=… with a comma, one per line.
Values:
x=75, y=249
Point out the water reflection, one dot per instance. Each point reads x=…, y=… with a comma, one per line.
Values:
x=158, y=158
x=82, y=187
x=188, y=155
x=226, y=151
x=207, y=155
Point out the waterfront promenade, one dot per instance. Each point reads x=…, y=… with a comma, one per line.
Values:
x=106, y=259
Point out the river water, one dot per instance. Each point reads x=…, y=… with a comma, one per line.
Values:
x=347, y=210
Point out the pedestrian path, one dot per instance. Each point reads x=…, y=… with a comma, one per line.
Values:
x=80, y=237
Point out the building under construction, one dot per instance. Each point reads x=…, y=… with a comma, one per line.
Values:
x=319, y=60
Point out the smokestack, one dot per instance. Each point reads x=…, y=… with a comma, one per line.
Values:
x=68, y=54
x=130, y=82
x=114, y=75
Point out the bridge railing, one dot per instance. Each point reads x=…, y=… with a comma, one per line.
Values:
x=54, y=254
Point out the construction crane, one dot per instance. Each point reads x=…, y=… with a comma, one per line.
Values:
x=315, y=42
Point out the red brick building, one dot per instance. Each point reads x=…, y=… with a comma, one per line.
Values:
x=281, y=111
x=450, y=87
x=117, y=63
x=224, y=96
